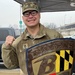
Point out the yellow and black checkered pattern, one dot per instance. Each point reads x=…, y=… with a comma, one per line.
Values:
x=64, y=60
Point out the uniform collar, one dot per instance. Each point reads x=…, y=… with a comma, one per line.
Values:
x=40, y=34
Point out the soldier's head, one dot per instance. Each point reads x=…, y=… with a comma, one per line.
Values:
x=31, y=13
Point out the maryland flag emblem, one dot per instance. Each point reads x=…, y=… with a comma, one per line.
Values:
x=52, y=57
x=64, y=60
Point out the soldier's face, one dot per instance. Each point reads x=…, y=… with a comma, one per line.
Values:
x=31, y=18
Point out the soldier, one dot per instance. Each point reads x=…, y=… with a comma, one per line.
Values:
x=13, y=54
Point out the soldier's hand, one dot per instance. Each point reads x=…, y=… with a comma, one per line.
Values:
x=9, y=40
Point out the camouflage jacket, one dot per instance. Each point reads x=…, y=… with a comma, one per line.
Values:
x=15, y=55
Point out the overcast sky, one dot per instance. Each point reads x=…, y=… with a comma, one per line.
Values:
x=10, y=15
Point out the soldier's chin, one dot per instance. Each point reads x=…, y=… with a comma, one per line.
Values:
x=31, y=25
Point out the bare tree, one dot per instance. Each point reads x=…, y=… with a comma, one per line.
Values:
x=51, y=26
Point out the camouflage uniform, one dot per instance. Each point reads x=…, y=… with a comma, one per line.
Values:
x=14, y=56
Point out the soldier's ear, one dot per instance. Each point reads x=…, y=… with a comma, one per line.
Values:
x=23, y=18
